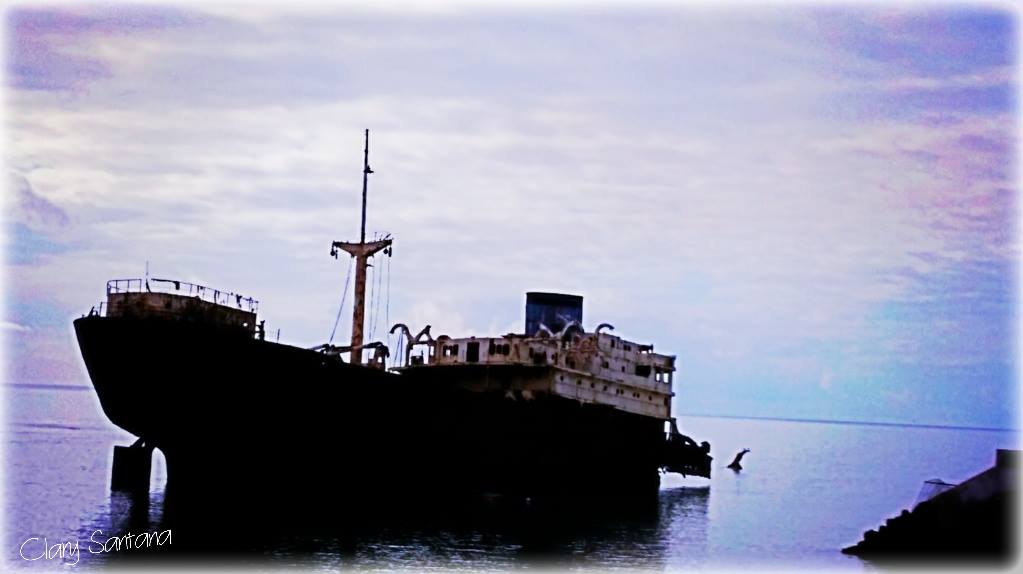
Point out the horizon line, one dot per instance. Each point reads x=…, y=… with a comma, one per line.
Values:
x=45, y=386
x=852, y=422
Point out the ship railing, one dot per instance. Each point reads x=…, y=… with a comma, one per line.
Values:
x=208, y=294
x=99, y=310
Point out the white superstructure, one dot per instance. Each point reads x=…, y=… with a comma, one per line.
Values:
x=589, y=367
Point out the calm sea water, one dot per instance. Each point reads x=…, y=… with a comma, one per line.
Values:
x=807, y=490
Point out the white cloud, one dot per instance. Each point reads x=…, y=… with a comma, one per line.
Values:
x=12, y=326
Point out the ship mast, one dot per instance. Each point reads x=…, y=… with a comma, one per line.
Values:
x=361, y=251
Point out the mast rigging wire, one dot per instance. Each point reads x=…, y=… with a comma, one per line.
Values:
x=344, y=294
x=376, y=311
x=374, y=304
x=387, y=295
x=372, y=291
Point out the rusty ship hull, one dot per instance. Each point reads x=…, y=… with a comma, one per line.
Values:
x=241, y=418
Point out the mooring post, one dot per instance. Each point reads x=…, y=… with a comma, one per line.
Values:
x=131, y=468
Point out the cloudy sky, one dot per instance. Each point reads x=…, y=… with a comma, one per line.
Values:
x=814, y=207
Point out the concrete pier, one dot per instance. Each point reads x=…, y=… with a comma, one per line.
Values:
x=974, y=520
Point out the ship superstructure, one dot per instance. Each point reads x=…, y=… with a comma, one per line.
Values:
x=594, y=368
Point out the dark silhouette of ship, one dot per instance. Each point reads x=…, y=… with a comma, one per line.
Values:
x=552, y=412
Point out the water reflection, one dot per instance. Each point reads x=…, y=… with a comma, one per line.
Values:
x=683, y=523
x=121, y=515
x=669, y=529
